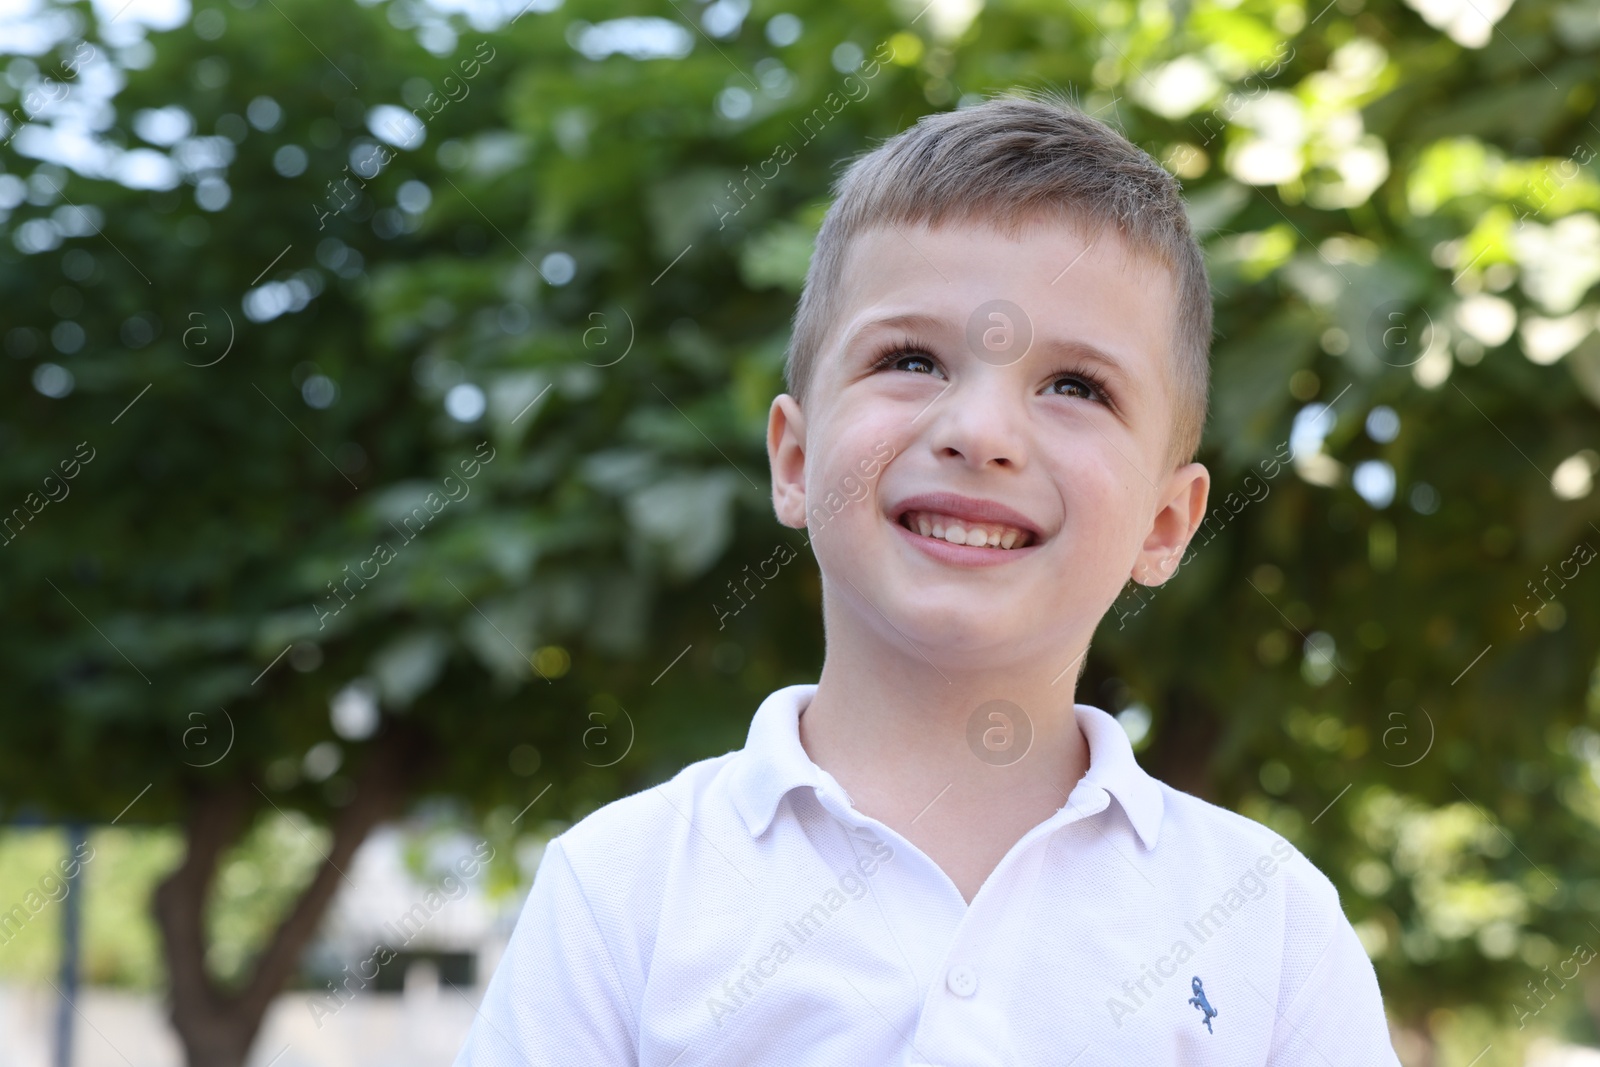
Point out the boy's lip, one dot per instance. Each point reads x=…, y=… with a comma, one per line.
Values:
x=962, y=555
x=969, y=508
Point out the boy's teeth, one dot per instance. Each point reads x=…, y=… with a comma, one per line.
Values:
x=957, y=532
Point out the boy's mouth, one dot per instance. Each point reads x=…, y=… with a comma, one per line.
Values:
x=965, y=531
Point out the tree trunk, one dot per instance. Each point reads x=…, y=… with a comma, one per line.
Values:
x=1180, y=753
x=1185, y=735
x=217, y=1027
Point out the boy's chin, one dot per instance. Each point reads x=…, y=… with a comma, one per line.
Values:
x=969, y=638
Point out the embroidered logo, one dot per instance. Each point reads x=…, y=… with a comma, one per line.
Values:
x=1199, y=1001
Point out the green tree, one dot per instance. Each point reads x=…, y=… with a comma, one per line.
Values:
x=249, y=375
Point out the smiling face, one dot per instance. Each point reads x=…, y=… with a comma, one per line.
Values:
x=1022, y=390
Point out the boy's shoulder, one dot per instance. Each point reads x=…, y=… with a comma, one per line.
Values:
x=649, y=822
x=1191, y=842
x=1227, y=856
x=1196, y=825
x=1195, y=818
x=700, y=814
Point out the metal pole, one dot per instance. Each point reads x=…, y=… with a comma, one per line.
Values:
x=71, y=931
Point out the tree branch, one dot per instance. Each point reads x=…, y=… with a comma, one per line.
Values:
x=380, y=790
x=198, y=1007
x=217, y=1027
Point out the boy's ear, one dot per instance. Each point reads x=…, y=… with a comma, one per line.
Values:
x=1180, y=515
x=786, y=455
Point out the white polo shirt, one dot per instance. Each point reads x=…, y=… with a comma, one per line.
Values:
x=744, y=913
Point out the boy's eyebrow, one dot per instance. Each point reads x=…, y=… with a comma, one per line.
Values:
x=1047, y=347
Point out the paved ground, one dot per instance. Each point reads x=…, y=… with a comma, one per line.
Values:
x=421, y=1028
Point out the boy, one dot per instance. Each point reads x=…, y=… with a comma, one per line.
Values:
x=933, y=855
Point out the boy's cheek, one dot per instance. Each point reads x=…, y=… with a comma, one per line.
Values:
x=882, y=452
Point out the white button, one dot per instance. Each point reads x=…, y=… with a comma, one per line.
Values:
x=962, y=980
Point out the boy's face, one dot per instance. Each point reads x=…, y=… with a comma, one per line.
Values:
x=1038, y=378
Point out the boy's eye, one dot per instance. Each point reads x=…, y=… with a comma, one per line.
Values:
x=921, y=364
x=906, y=357
x=1075, y=386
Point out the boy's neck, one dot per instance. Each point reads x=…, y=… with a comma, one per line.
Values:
x=933, y=751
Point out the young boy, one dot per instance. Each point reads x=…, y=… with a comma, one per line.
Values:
x=933, y=855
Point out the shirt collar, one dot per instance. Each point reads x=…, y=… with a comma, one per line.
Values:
x=774, y=762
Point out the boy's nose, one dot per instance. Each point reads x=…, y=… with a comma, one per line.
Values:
x=981, y=421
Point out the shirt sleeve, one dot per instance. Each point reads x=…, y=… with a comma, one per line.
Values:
x=557, y=997
x=1334, y=1017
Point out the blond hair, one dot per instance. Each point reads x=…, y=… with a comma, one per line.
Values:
x=1012, y=159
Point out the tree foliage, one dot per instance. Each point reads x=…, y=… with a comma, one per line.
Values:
x=302, y=235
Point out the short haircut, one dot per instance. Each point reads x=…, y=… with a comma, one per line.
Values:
x=1007, y=161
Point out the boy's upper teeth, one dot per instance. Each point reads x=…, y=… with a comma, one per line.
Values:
x=964, y=531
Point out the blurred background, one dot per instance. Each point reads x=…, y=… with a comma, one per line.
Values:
x=381, y=463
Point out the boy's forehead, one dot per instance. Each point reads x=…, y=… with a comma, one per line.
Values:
x=1043, y=254
x=1069, y=283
